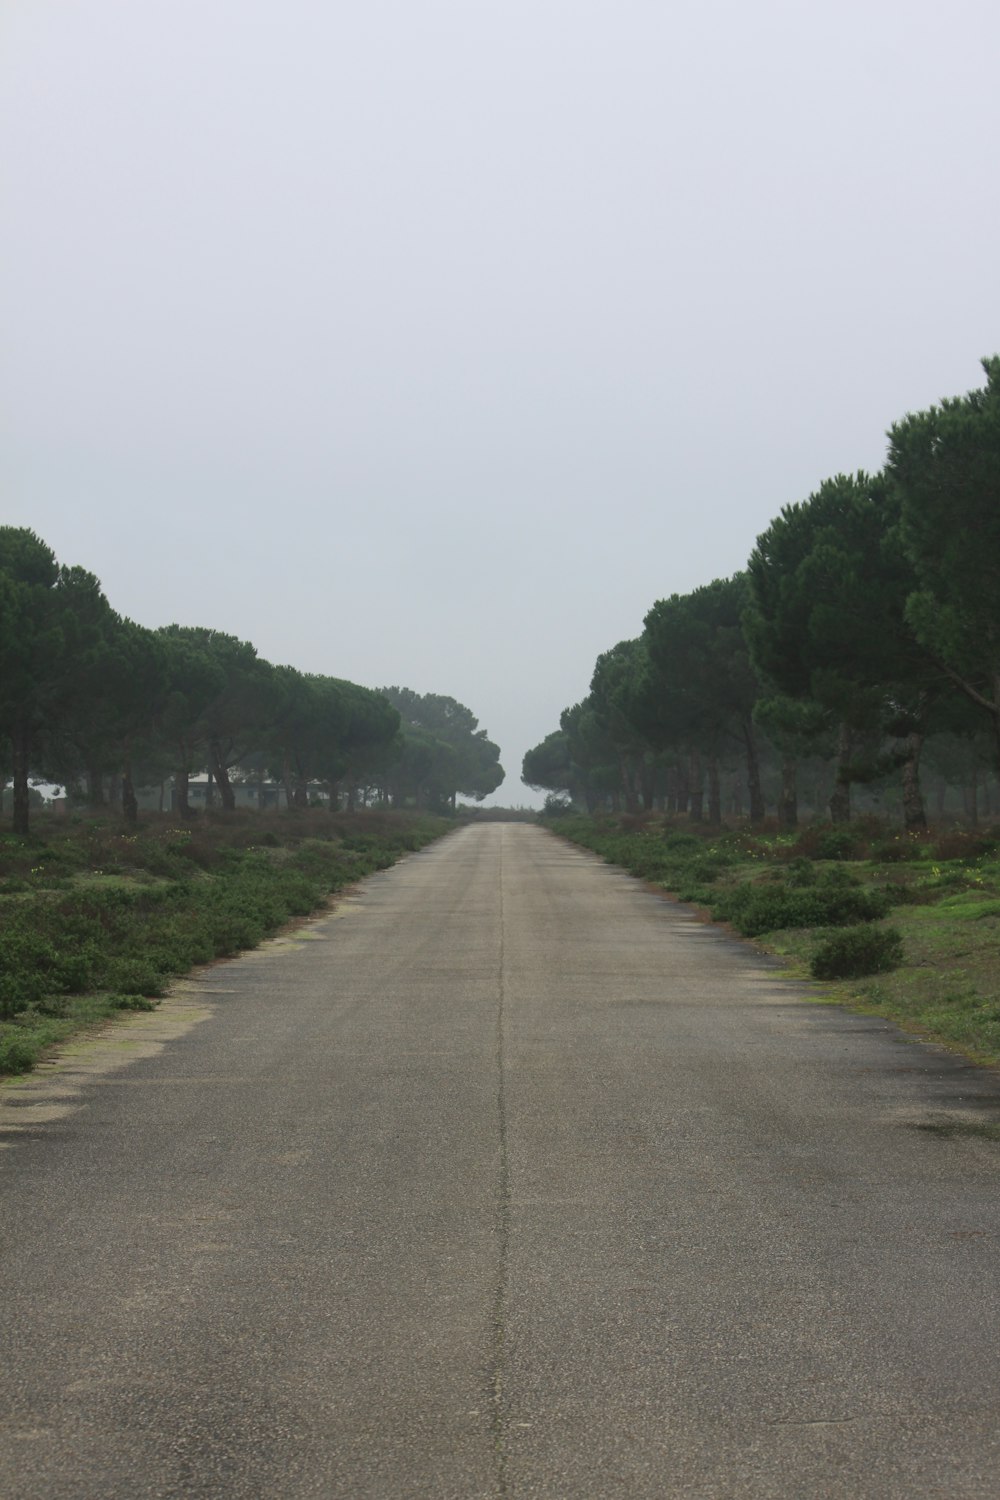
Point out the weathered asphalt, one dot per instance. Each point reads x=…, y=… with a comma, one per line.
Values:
x=508, y=1180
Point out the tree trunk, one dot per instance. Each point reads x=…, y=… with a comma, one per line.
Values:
x=840, y=801
x=20, y=755
x=788, y=812
x=757, y=809
x=683, y=786
x=95, y=787
x=697, y=780
x=714, y=793
x=301, y=792
x=182, y=791
x=971, y=794
x=209, y=789
x=220, y=771
x=286, y=780
x=628, y=787
x=130, y=806
x=914, y=816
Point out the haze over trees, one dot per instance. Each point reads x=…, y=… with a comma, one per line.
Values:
x=861, y=642
x=102, y=705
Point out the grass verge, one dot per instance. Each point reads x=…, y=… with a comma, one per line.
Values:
x=922, y=912
x=94, y=920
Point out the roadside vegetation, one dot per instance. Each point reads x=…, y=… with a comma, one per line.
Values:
x=905, y=925
x=853, y=665
x=97, y=917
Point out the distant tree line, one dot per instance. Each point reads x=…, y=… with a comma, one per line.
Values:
x=860, y=644
x=95, y=702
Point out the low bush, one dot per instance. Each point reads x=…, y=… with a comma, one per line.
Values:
x=830, y=841
x=132, y=976
x=898, y=849
x=140, y=909
x=857, y=952
x=18, y=1054
x=754, y=909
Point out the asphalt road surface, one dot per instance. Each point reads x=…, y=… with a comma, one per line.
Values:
x=509, y=1179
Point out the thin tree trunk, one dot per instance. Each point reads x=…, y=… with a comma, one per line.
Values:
x=628, y=787
x=697, y=784
x=788, y=812
x=914, y=816
x=757, y=809
x=840, y=801
x=286, y=779
x=21, y=804
x=130, y=806
x=714, y=793
x=219, y=770
x=971, y=793
x=182, y=791
x=683, y=786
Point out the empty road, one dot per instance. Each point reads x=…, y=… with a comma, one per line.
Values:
x=507, y=1179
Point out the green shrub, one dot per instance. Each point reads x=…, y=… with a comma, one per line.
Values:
x=898, y=849
x=132, y=1002
x=132, y=976
x=683, y=841
x=186, y=897
x=17, y=1054
x=837, y=843
x=857, y=951
x=755, y=909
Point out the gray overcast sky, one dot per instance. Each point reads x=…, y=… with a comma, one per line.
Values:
x=431, y=341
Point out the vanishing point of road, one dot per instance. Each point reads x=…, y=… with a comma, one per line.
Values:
x=506, y=1179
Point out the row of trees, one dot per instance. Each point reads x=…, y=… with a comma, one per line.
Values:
x=88, y=697
x=863, y=635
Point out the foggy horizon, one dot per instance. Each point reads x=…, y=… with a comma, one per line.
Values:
x=430, y=345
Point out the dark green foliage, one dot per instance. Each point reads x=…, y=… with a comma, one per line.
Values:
x=18, y=1054
x=132, y=976
x=801, y=872
x=700, y=689
x=120, y=935
x=825, y=841
x=897, y=850
x=856, y=952
x=755, y=909
x=442, y=752
x=687, y=842
x=944, y=468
